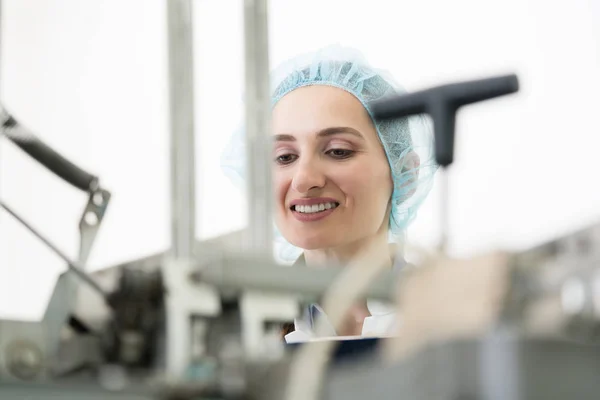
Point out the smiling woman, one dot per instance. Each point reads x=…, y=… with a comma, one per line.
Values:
x=344, y=182
x=335, y=158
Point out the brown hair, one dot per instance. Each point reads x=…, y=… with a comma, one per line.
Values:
x=287, y=328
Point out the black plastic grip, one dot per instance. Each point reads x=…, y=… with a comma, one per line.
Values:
x=441, y=103
x=46, y=156
x=451, y=95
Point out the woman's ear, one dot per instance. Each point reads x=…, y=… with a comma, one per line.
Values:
x=408, y=176
x=413, y=162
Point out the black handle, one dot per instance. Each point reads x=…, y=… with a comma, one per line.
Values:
x=45, y=155
x=441, y=103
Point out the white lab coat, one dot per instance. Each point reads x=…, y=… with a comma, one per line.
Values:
x=383, y=320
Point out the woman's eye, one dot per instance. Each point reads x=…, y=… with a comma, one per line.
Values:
x=340, y=153
x=285, y=159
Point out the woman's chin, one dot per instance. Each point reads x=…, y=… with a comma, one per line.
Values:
x=314, y=243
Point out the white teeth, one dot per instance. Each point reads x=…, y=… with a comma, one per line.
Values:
x=315, y=207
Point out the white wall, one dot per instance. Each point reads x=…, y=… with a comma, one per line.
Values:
x=90, y=78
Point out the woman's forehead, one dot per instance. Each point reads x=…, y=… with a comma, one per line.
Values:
x=313, y=108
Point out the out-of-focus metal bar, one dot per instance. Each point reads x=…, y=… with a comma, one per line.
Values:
x=243, y=272
x=181, y=93
x=1, y=59
x=444, y=211
x=258, y=137
x=183, y=182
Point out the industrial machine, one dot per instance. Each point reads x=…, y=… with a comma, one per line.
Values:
x=201, y=320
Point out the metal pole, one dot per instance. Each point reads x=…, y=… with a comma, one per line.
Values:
x=1, y=69
x=181, y=93
x=444, y=210
x=183, y=182
x=258, y=126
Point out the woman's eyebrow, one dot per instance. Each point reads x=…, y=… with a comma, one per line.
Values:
x=335, y=130
x=283, y=138
x=339, y=129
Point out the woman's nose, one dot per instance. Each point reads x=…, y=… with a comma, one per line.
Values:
x=308, y=175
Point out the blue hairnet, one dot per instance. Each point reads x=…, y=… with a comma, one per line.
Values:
x=408, y=142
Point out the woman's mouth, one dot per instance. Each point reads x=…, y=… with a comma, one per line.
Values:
x=314, y=208
x=313, y=212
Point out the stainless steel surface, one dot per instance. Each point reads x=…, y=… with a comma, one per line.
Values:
x=258, y=127
x=23, y=353
x=90, y=222
x=246, y=273
x=75, y=353
x=64, y=298
x=500, y=370
x=181, y=95
x=183, y=301
x=95, y=313
x=183, y=189
x=548, y=369
x=260, y=310
x=556, y=287
x=61, y=305
x=444, y=210
x=24, y=359
x=74, y=391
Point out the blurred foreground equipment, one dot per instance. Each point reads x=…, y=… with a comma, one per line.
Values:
x=201, y=320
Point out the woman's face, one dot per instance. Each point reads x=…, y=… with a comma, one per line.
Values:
x=331, y=176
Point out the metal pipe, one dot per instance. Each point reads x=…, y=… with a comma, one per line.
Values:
x=233, y=274
x=181, y=93
x=258, y=117
x=444, y=211
x=183, y=180
x=33, y=146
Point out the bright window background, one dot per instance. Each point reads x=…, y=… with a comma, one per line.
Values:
x=90, y=78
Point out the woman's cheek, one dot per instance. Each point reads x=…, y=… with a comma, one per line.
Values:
x=280, y=187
